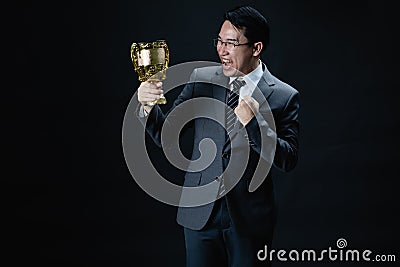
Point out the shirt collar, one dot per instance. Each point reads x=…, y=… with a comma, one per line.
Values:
x=254, y=76
x=251, y=80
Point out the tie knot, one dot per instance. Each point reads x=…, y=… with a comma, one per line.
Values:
x=237, y=84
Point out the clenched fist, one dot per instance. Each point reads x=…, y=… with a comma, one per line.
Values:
x=149, y=92
x=246, y=109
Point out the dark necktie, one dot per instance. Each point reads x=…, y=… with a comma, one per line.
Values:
x=232, y=102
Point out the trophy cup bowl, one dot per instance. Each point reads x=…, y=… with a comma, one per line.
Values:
x=150, y=61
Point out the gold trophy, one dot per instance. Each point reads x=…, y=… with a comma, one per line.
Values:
x=150, y=61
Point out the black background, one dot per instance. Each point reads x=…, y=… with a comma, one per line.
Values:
x=73, y=201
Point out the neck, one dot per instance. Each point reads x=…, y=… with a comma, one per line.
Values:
x=253, y=65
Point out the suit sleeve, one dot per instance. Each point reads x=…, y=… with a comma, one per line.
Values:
x=154, y=122
x=287, y=130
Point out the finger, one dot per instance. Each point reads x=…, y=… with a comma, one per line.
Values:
x=153, y=80
x=155, y=91
x=247, y=97
x=150, y=90
x=237, y=110
x=248, y=100
x=243, y=103
x=251, y=102
x=148, y=95
x=147, y=99
x=155, y=84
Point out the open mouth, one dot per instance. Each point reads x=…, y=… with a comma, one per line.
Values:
x=227, y=62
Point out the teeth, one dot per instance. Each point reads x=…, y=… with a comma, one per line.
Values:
x=226, y=61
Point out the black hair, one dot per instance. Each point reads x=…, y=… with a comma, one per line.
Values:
x=255, y=27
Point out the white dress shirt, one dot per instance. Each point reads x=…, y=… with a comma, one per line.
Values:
x=251, y=80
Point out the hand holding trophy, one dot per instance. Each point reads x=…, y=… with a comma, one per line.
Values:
x=150, y=61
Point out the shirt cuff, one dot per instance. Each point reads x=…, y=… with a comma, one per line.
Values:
x=142, y=112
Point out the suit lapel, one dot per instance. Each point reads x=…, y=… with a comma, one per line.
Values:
x=220, y=83
x=263, y=89
x=219, y=87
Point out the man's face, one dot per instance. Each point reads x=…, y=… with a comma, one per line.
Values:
x=237, y=59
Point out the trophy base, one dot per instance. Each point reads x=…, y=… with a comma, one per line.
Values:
x=162, y=100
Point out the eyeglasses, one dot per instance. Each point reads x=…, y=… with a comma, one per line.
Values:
x=229, y=45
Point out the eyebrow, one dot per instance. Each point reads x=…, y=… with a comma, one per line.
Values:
x=229, y=39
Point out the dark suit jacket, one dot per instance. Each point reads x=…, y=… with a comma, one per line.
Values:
x=252, y=213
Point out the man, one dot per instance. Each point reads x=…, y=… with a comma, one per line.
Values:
x=231, y=230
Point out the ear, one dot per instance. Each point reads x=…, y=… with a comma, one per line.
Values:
x=257, y=48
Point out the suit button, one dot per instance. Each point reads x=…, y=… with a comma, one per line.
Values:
x=225, y=155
